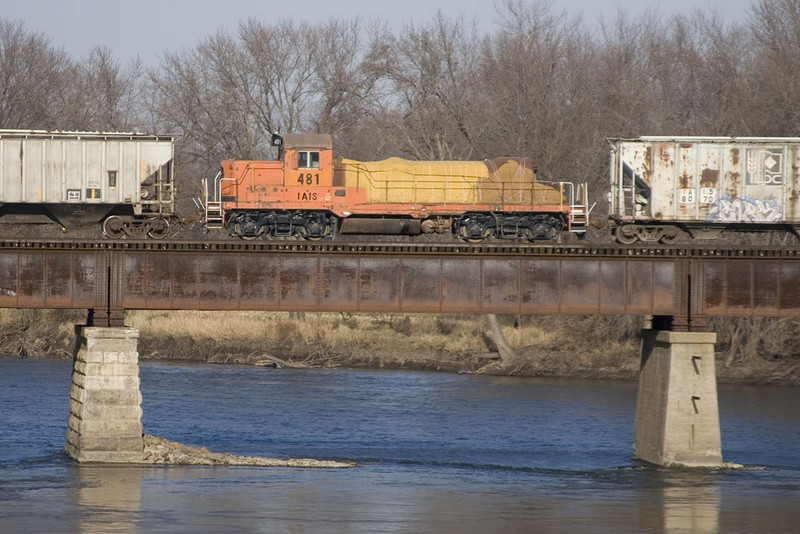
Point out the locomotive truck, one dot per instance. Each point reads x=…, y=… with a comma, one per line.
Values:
x=308, y=193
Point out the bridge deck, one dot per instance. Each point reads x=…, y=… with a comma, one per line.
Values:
x=686, y=284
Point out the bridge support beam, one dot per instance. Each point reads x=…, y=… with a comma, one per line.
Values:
x=105, y=414
x=677, y=413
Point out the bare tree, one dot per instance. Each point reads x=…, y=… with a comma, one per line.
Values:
x=431, y=70
x=31, y=74
x=97, y=94
x=775, y=26
x=344, y=86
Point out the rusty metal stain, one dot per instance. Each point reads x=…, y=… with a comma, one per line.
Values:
x=709, y=177
x=648, y=167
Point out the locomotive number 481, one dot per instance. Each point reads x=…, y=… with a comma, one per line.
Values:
x=308, y=179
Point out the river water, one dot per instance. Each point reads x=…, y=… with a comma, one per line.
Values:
x=439, y=453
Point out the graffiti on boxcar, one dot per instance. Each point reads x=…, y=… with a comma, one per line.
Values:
x=748, y=209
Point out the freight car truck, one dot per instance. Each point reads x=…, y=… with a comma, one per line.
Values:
x=665, y=187
x=122, y=181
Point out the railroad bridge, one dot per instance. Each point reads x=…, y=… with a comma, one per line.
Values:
x=677, y=418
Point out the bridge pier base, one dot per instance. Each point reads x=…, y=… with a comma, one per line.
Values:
x=677, y=412
x=105, y=414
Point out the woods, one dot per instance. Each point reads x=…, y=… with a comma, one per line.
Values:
x=540, y=83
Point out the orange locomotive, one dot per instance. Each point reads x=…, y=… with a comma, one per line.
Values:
x=308, y=193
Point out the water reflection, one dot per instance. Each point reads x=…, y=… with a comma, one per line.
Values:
x=109, y=498
x=691, y=502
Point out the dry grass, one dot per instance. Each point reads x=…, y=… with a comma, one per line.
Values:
x=381, y=340
x=544, y=345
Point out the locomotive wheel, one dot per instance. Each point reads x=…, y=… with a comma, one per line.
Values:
x=475, y=231
x=159, y=228
x=238, y=232
x=479, y=239
x=113, y=227
x=315, y=228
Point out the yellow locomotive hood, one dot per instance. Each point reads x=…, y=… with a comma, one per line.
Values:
x=395, y=180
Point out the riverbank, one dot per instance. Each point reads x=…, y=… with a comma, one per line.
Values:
x=542, y=346
x=552, y=346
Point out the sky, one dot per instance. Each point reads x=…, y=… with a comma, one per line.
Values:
x=148, y=28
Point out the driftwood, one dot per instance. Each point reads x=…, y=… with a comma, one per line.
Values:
x=277, y=363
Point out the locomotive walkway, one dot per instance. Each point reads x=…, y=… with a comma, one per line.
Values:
x=677, y=418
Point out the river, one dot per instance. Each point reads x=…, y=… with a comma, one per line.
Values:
x=438, y=453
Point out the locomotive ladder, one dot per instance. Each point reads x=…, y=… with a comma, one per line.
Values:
x=213, y=202
x=579, y=210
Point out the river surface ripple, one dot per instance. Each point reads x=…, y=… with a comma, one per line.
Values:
x=439, y=453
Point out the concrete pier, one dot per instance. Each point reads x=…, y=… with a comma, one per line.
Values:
x=105, y=414
x=677, y=413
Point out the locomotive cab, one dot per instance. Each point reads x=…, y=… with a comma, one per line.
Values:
x=280, y=198
x=307, y=159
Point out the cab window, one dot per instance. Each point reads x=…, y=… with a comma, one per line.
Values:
x=308, y=160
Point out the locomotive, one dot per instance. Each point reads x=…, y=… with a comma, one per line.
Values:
x=307, y=193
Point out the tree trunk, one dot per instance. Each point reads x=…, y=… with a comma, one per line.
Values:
x=507, y=354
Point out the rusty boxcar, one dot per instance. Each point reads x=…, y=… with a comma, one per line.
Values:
x=121, y=180
x=663, y=187
x=308, y=193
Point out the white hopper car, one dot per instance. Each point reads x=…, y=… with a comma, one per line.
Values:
x=122, y=181
x=663, y=187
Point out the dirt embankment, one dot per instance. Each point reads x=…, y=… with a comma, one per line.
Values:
x=587, y=346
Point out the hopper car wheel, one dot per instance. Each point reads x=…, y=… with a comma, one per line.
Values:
x=159, y=228
x=113, y=227
x=626, y=235
x=671, y=236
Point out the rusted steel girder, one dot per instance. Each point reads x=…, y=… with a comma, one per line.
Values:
x=681, y=287
x=414, y=283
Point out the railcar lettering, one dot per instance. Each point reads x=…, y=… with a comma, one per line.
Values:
x=308, y=179
x=307, y=195
x=708, y=195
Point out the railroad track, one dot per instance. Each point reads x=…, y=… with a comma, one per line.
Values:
x=494, y=249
